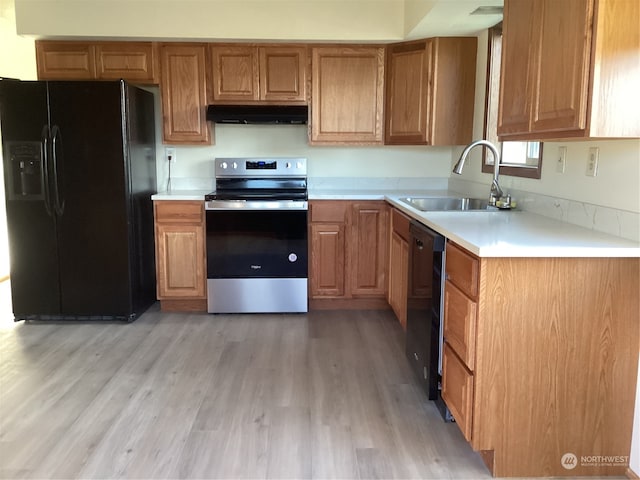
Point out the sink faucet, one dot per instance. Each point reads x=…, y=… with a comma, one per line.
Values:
x=496, y=191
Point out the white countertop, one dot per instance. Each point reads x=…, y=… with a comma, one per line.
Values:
x=514, y=233
x=503, y=233
x=181, y=195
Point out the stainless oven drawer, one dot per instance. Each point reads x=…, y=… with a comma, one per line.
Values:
x=257, y=295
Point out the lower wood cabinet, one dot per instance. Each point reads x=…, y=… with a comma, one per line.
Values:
x=457, y=390
x=398, y=277
x=540, y=359
x=348, y=242
x=399, y=264
x=180, y=255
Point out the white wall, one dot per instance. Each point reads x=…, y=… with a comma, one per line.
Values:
x=17, y=54
x=322, y=20
x=291, y=141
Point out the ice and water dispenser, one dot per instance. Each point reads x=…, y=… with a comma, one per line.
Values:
x=24, y=170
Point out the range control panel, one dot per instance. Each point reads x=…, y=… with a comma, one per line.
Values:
x=260, y=167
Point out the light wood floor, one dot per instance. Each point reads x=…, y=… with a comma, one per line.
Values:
x=322, y=395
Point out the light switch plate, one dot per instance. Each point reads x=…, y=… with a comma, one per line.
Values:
x=592, y=162
x=561, y=162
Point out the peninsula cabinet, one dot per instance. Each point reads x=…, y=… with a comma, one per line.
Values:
x=180, y=255
x=132, y=61
x=540, y=360
x=430, y=90
x=569, y=70
x=347, y=95
x=348, y=243
x=183, y=88
x=248, y=74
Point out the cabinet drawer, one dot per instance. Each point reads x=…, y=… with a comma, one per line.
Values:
x=179, y=211
x=457, y=390
x=328, y=211
x=462, y=270
x=400, y=224
x=460, y=323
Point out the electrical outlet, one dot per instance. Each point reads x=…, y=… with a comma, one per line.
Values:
x=170, y=154
x=592, y=162
x=561, y=162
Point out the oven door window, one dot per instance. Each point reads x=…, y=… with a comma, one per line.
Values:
x=256, y=244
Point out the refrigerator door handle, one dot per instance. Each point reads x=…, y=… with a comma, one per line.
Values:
x=45, y=137
x=58, y=162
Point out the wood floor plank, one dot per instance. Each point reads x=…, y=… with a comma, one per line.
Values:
x=320, y=395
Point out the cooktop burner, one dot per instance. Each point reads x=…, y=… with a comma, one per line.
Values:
x=261, y=179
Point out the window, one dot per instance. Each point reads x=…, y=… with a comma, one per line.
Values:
x=519, y=159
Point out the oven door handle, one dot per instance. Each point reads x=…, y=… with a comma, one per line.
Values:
x=238, y=205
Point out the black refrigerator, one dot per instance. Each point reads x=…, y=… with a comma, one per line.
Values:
x=79, y=172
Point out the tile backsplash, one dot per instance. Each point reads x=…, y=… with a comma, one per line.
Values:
x=621, y=223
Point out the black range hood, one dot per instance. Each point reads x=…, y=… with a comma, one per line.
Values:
x=258, y=114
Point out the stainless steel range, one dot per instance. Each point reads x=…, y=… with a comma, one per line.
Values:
x=257, y=236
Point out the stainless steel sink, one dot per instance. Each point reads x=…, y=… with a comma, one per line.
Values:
x=434, y=204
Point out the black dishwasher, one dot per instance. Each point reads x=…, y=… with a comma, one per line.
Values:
x=424, y=309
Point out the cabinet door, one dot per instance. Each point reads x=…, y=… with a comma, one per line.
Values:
x=399, y=277
x=457, y=390
x=460, y=323
x=283, y=74
x=180, y=250
x=65, y=60
x=183, y=89
x=408, y=86
x=327, y=260
x=518, y=66
x=129, y=60
x=347, y=100
x=368, y=249
x=562, y=76
x=235, y=73
x=180, y=263
x=454, y=80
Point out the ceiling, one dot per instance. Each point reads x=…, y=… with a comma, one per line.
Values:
x=448, y=17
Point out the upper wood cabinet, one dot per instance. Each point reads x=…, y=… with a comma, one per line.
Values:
x=430, y=91
x=133, y=61
x=263, y=74
x=183, y=88
x=347, y=97
x=65, y=60
x=569, y=69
